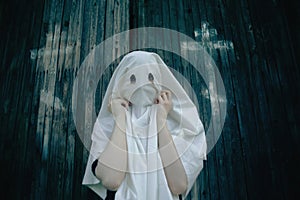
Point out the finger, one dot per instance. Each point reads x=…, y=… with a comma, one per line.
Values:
x=164, y=96
x=125, y=104
x=169, y=94
x=160, y=100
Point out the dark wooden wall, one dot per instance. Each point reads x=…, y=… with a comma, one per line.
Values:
x=43, y=44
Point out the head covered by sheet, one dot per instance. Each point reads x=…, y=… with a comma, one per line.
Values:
x=139, y=78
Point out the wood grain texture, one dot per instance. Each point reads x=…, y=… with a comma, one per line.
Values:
x=43, y=44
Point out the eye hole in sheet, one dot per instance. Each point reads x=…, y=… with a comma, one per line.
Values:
x=132, y=79
x=150, y=77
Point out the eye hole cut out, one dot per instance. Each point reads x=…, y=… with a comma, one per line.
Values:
x=150, y=77
x=132, y=79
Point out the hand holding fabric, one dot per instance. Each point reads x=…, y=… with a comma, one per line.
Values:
x=118, y=106
x=164, y=105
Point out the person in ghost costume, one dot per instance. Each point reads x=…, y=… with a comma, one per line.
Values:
x=148, y=142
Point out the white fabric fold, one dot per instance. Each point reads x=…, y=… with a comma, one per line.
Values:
x=145, y=172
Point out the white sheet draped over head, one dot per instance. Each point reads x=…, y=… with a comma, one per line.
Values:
x=139, y=78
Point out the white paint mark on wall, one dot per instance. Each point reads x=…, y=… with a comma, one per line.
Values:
x=47, y=50
x=207, y=36
x=48, y=98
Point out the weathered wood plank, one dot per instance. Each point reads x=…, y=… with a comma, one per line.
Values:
x=261, y=94
x=51, y=129
x=72, y=22
x=184, y=21
x=231, y=134
x=201, y=189
x=250, y=158
x=226, y=152
x=39, y=185
x=278, y=100
x=16, y=69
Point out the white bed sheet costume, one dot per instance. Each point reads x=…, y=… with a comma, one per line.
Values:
x=145, y=178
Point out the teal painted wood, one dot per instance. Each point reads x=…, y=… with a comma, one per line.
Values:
x=43, y=44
